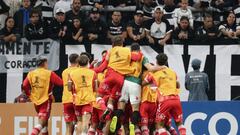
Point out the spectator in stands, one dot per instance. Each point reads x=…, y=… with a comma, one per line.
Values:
x=116, y=27
x=147, y=8
x=63, y=4
x=158, y=31
x=169, y=11
x=222, y=4
x=183, y=11
x=46, y=10
x=35, y=30
x=236, y=11
x=183, y=33
x=94, y=30
x=21, y=17
x=77, y=35
x=135, y=29
x=9, y=33
x=4, y=8
x=197, y=83
x=230, y=29
x=75, y=12
x=208, y=33
x=59, y=28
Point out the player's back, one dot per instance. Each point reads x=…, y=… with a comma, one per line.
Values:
x=167, y=81
x=119, y=60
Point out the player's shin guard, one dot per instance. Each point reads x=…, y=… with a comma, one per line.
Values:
x=44, y=131
x=172, y=131
x=182, y=130
x=136, y=118
x=36, y=130
x=161, y=131
x=145, y=130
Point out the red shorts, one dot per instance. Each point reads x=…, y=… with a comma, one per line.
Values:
x=44, y=109
x=148, y=113
x=97, y=114
x=169, y=108
x=112, y=84
x=69, y=112
x=82, y=109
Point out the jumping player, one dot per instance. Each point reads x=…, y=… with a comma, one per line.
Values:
x=38, y=86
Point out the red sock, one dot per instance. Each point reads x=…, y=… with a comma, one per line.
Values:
x=137, y=132
x=162, y=131
x=172, y=131
x=91, y=131
x=36, y=130
x=182, y=130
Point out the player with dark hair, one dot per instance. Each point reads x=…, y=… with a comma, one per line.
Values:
x=38, y=86
x=82, y=84
x=168, y=99
x=67, y=97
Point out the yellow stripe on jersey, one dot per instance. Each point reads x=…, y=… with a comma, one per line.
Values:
x=67, y=96
x=39, y=80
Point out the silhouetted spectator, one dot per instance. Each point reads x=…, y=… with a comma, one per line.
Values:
x=169, y=8
x=116, y=27
x=21, y=17
x=135, y=29
x=35, y=30
x=46, y=10
x=94, y=30
x=222, y=4
x=208, y=33
x=183, y=33
x=147, y=8
x=9, y=33
x=236, y=11
x=158, y=30
x=75, y=12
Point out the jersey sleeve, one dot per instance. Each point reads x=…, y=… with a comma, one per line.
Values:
x=55, y=79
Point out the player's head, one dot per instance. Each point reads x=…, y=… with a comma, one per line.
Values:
x=161, y=59
x=104, y=52
x=88, y=55
x=196, y=63
x=83, y=60
x=73, y=58
x=42, y=62
x=135, y=47
x=117, y=41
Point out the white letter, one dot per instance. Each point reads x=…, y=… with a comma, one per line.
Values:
x=223, y=115
x=224, y=80
x=189, y=120
x=17, y=121
x=55, y=129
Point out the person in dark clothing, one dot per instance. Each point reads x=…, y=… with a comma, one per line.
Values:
x=9, y=33
x=21, y=17
x=208, y=33
x=60, y=28
x=135, y=29
x=35, y=30
x=116, y=27
x=75, y=12
x=197, y=83
x=94, y=30
x=77, y=34
x=183, y=33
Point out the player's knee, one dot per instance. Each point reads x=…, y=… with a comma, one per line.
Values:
x=136, y=117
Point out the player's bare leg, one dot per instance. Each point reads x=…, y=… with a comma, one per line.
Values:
x=41, y=125
x=69, y=128
x=85, y=123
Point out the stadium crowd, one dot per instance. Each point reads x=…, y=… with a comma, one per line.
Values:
x=148, y=22
x=107, y=95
